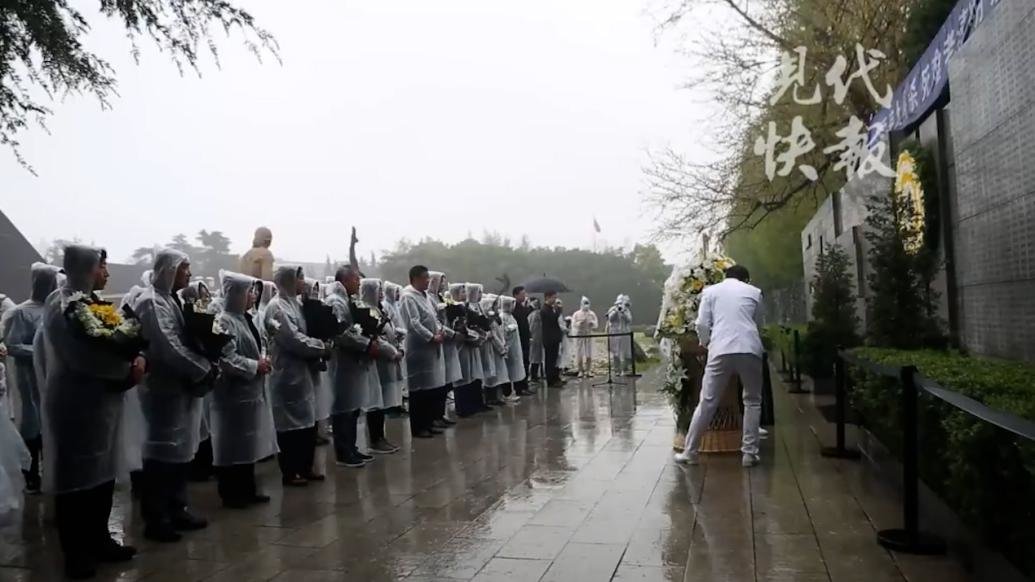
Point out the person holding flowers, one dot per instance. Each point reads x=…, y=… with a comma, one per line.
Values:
x=242, y=428
x=171, y=399
x=292, y=392
x=92, y=357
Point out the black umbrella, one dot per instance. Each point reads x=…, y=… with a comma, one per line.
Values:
x=545, y=285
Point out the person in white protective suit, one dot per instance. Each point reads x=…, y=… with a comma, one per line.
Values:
x=242, y=422
x=292, y=393
x=515, y=359
x=619, y=321
x=82, y=413
x=171, y=399
x=389, y=371
x=584, y=322
x=425, y=364
x=437, y=289
x=20, y=326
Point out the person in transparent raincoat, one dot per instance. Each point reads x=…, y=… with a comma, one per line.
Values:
x=393, y=294
x=389, y=372
x=496, y=352
x=171, y=399
x=353, y=371
x=133, y=428
x=515, y=358
x=82, y=414
x=242, y=426
x=292, y=393
x=468, y=391
x=318, y=291
x=485, y=349
x=20, y=326
x=535, y=344
x=425, y=364
x=437, y=289
x=584, y=322
x=15, y=459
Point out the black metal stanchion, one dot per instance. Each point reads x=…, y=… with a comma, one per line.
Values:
x=768, y=415
x=840, y=451
x=796, y=368
x=610, y=376
x=910, y=539
x=632, y=355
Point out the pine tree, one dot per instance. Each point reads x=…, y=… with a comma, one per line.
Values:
x=834, y=322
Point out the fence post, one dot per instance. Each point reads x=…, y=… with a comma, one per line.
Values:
x=840, y=451
x=632, y=354
x=910, y=539
x=768, y=414
x=796, y=369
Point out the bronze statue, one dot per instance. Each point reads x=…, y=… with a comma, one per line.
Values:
x=258, y=261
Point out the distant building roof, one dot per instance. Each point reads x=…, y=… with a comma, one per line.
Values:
x=18, y=257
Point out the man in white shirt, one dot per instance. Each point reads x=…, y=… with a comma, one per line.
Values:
x=727, y=325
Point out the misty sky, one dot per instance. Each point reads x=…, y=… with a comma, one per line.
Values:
x=405, y=118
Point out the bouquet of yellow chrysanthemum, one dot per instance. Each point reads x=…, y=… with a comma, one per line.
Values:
x=100, y=321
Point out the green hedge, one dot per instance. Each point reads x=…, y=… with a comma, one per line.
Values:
x=775, y=340
x=985, y=474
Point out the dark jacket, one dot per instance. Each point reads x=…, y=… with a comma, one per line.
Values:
x=521, y=313
x=551, y=325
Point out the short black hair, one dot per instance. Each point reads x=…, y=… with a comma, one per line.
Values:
x=344, y=272
x=738, y=272
x=550, y=294
x=417, y=271
x=517, y=290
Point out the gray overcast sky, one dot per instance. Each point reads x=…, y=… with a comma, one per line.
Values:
x=404, y=118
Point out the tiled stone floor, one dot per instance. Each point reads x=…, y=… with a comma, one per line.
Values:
x=573, y=484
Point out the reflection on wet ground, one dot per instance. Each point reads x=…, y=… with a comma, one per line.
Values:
x=572, y=484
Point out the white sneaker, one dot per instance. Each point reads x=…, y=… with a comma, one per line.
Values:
x=749, y=460
x=686, y=458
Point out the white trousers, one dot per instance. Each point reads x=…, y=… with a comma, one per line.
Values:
x=717, y=375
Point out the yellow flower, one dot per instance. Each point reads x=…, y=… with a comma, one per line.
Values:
x=107, y=314
x=697, y=285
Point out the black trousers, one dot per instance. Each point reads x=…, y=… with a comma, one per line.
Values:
x=344, y=425
x=525, y=353
x=468, y=398
x=521, y=387
x=82, y=520
x=165, y=492
x=297, y=451
x=422, y=409
x=236, y=482
x=553, y=373
x=376, y=425
x=441, y=397
x=201, y=466
x=32, y=476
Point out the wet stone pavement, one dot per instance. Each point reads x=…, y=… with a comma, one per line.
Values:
x=572, y=484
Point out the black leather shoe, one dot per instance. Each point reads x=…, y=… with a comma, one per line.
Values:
x=294, y=481
x=236, y=503
x=422, y=434
x=314, y=477
x=186, y=521
x=448, y=422
x=112, y=551
x=259, y=499
x=434, y=430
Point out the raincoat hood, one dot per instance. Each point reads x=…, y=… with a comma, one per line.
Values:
x=268, y=290
x=338, y=290
x=146, y=277
x=195, y=290
x=44, y=281
x=286, y=279
x=507, y=304
x=79, y=263
x=263, y=237
x=370, y=291
x=312, y=288
x=167, y=261
x=458, y=292
x=474, y=292
x=435, y=285
x=235, y=290
x=585, y=304
x=392, y=292
x=488, y=302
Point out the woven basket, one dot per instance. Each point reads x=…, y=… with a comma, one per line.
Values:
x=725, y=432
